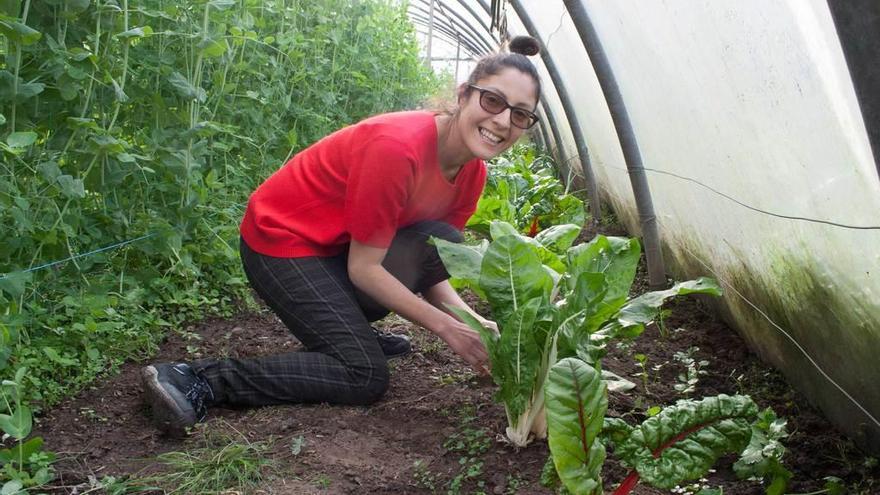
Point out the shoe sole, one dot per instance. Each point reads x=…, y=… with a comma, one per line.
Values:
x=398, y=355
x=167, y=414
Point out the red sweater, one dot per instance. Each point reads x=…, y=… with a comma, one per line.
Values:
x=363, y=182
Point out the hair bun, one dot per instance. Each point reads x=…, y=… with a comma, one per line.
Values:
x=525, y=45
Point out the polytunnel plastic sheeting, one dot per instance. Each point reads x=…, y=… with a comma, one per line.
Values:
x=751, y=133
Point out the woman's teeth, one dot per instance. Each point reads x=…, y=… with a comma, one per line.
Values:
x=495, y=139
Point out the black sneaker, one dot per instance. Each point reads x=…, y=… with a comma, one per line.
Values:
x=176, y=395
x=393, y=345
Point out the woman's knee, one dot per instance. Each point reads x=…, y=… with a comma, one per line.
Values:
x=370, y=385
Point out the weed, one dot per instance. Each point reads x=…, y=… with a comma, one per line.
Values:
x=470, y=442
x=297, y=444
x=224, y=463
x=661, y=322
x=456, y=376
x=687, y=381
x=322, y=481
x=423, y=476
x=642, y=362
x=90, y=414
x=514, y=483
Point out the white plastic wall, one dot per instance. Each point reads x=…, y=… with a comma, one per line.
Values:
x=738, y=107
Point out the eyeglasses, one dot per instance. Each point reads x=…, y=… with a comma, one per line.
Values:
x=494, y=103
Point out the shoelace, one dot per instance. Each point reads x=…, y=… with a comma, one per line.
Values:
x=196, y=395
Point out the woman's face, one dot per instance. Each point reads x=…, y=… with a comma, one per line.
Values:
x=485, y=134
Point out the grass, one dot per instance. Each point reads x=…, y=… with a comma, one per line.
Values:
x=223, y=464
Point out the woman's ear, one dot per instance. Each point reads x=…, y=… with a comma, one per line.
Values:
x=460, y=92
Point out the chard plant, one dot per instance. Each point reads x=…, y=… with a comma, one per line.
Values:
x=576, y=402
x=522, y=189
x=683, y=441
x=552, y=301
x=679, y=444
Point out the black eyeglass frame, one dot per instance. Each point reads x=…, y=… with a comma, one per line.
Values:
x=531, y=115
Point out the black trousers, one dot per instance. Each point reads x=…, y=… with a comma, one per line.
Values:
x=342, y=362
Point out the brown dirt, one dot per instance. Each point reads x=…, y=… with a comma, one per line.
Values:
x=415, y=440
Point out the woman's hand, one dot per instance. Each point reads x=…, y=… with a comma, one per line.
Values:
x=491, y=325
x=466, y=343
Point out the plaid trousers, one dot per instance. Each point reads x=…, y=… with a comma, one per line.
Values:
x=342, y=362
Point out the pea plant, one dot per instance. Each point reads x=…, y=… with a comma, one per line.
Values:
x=131, y=134
x=143, y=127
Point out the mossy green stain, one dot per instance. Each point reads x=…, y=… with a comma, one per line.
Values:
x=829, y=315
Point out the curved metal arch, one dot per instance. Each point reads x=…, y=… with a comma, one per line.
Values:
x=568, y=109
x=449, y=34
x=627, y=137
x=468, y=54
x=445, y=9
x=456, y=27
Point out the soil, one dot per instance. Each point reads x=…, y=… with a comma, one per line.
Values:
x=437, y=430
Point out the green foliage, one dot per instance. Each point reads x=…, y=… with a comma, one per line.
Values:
x=551, y=305
x=156, y=119
x=576, y=401
x=470, y=443
x=153, y=121
x=684, y=440
x=223, y=464
x=24, y=465
x=521, y=188
x=762, y=458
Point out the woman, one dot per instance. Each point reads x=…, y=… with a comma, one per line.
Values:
x=336, y=239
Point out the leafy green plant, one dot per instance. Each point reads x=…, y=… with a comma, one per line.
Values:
x=762, y=458
x=522, y=188
x=550, y=306
x=24, y=465
x=642, y=363
x=683, y=441
x=470, y=443
x=693, y=370
x=576, y=404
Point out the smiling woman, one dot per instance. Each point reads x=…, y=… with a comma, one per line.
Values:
x=337, y=238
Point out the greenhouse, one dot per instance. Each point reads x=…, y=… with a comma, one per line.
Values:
x=440, y=246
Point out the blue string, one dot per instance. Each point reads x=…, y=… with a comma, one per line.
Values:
x=106, y=248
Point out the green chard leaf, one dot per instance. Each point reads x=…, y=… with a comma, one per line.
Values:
x=462, y=261
x=489, y=208
x=576, y=400
x=518, y=360
x=512, y=274
x=683, y=441
x=615, y=257
x=643, y=309
x=558, y=238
